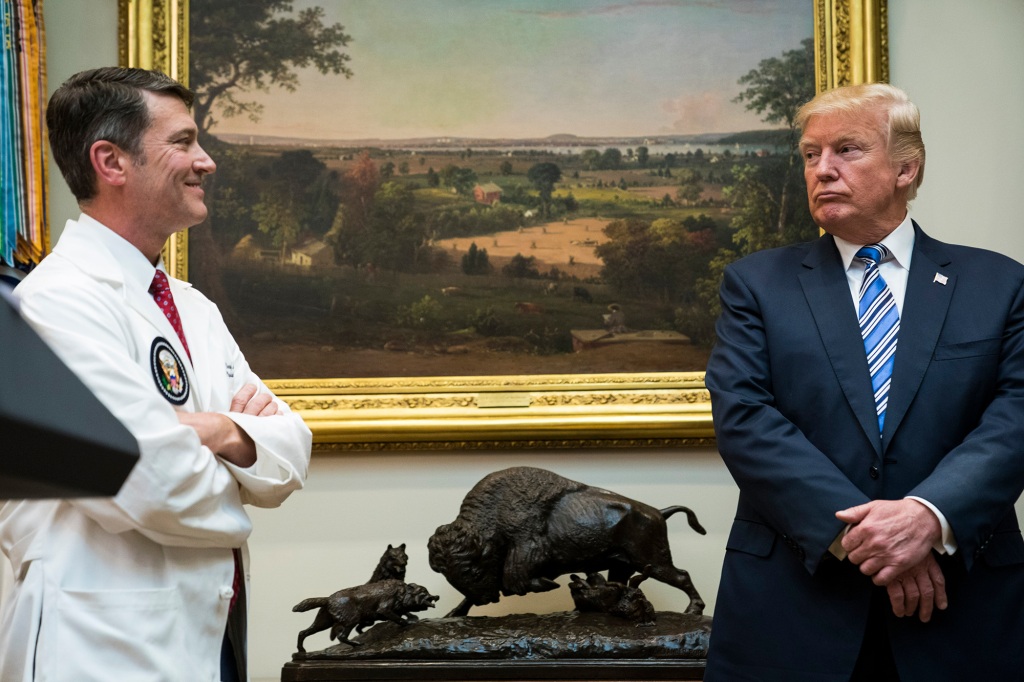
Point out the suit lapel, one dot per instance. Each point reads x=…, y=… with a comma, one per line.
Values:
x=924, y=313
x=828, y=296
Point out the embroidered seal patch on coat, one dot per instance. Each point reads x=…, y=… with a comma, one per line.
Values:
x=168, y=371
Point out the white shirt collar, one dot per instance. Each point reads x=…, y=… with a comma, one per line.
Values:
x=900, y=242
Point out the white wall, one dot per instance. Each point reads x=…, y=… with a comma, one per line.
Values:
x=80, y=34
x=959, y=61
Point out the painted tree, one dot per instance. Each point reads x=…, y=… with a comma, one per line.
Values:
x=590, y=158
x=433, y=179
x=308, y=185
x=767, y=200
x=521, y=267
x=275, y=216
x=776, y=90
x=754, y=209
x=642, y=156
x=462, y=180
x=661, y=259
x=544, y=176
x=237, y=48
x=611, y=159
x=475, y=261
x=395, y=239
x=690, y=186
x=353, y=219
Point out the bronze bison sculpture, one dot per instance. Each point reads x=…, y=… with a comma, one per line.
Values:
x=518, y=529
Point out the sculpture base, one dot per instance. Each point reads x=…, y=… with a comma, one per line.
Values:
x=466, y=671
x=557, y=646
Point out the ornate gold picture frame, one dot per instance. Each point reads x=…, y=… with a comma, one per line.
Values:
x=656, y=409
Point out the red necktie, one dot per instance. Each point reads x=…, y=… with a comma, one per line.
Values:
x=161, y=291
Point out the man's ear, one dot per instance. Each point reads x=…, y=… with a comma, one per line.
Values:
x=907, y=174
x=109, y=162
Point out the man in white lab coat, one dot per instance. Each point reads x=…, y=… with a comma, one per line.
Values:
x=140, y=586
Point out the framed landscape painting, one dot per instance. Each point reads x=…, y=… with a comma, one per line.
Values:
x=452, y=224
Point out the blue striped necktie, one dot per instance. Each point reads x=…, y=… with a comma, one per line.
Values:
x=879, y=325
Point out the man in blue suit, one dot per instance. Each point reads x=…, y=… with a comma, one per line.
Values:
x=870, y=405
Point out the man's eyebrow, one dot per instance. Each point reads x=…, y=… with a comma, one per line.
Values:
x=838, y=142
x=850, y=139
x=184, y=131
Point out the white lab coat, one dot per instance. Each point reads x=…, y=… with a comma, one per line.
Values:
x=136, y=587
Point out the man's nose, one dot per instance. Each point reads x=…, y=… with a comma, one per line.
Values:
x=204, y=163
x=825, y=169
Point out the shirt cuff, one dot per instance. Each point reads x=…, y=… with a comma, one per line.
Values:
x=836, y=548
x=947, y=545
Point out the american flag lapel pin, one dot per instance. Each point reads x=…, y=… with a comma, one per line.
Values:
x=940, y=278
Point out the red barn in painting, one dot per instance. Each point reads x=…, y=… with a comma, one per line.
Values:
x=488, y=193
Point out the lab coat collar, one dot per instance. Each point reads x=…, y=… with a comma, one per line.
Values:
x=107, y=257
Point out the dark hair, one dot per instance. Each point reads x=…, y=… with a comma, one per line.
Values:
x=102, y=104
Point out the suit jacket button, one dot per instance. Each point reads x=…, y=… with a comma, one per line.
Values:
x=873, y=472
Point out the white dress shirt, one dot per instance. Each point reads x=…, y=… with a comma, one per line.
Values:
x=894, y=271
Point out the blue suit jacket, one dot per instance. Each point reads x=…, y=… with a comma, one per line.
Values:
x=795, y=421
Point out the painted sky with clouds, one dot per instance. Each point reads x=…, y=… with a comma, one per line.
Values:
x=534, y=68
